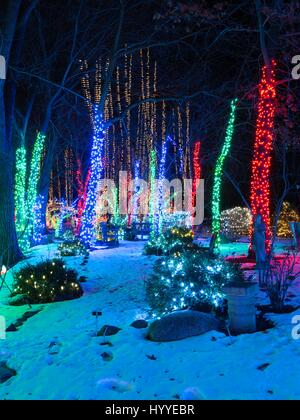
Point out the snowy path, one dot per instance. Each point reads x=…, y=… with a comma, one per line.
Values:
x=218, y=367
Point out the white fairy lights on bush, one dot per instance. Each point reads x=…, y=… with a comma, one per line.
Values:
x=189, y=280
x=236, y=221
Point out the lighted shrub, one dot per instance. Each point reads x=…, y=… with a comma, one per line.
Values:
x=288, y=214
x=235, y=222
x=72, y=248
x=171, y=241
x=46, y=282
x=189, y=281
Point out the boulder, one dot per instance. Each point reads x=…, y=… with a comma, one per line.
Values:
x=11, y=328
x=107, y=356
x=108, y=330
x=139, y=323
x=182, y=324
x=5, y=372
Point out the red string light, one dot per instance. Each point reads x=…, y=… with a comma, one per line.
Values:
x=261, y=163
x=196, y=169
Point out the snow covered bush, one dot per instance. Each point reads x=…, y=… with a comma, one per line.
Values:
x=190, y=280
x=171, y=241
x=235, y=222
x=46, y=282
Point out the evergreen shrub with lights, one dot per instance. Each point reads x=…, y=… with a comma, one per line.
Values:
x=235, y=222
x=46, y=282
x=171, y=241
x=190, y=281
x=288, y=214
x=71, y=246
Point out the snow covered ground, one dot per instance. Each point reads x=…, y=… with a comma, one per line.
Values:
x=263, y=365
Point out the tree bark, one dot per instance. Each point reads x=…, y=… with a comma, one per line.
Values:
x=9, y=249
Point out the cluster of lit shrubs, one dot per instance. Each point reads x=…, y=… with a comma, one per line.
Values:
x=237, y=221
x=46, y=282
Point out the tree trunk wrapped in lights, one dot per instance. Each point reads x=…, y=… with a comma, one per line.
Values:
x=263, y=146
x=32, y=191
x=152, y=206
x=20, y=186
x=216, y=197
x=196, y=169
x=81, y=192
x=87, y=232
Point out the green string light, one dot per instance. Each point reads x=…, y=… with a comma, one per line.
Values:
x=33, y=180
x=19, y=192
x=216, y=196
x=152, y=189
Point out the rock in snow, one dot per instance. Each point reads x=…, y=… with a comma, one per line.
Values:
x=182, y=324
x=139, y=323
x=107, y=356
x=108, y=330
x=5, y=372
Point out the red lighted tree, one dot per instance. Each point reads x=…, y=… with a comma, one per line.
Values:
x=196, y=169
x=261, y=163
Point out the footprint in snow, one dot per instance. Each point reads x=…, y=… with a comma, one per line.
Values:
x=115, y=384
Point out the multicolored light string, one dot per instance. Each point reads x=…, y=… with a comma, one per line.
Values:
x=87, y=232
x=216, y=196
x=263, y=146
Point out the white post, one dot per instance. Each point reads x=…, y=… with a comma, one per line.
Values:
x=2, y=67
x=2, y=328
x=241, y=306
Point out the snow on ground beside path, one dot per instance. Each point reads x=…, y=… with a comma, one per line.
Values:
x=254, y=366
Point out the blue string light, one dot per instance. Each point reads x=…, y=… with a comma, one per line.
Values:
x=88, y=233
x=136, y=192
x=38, y=225
x=161, y=177
x=181, y=157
